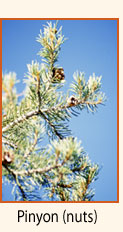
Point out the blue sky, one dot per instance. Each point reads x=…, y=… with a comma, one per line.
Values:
x=91, y=47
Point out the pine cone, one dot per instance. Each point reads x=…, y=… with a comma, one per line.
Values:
x=58, y=74
x=7, y=157
x=72, y=101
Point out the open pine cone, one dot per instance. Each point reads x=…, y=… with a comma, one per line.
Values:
x=72, y=101
x=58, y=74
x=7, y=157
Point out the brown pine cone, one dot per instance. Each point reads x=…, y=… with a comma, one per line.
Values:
x=58, y=74
x=72, y=101
x=7, y=157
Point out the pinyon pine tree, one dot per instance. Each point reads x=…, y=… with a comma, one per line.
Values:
x=60, y=171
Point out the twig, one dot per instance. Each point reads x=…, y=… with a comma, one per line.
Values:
x=20, y=119
x=38, y=170
x=52, y=126
x=33, y=145
x=17, y=181
x=43, y=115
x=41, y=112
x=69, y=106
x=9, y=143
x=38, y=92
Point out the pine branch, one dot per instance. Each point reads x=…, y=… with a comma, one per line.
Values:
x=20, y=119
x=38, y=91
x=33, y=145
x=66, y=106
x=37, y=112
x=4, y=141
x=42, y=114
x=65, y=185
x=16, y=180
x=69, y=181
x=51, y=125
x=38, y=170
